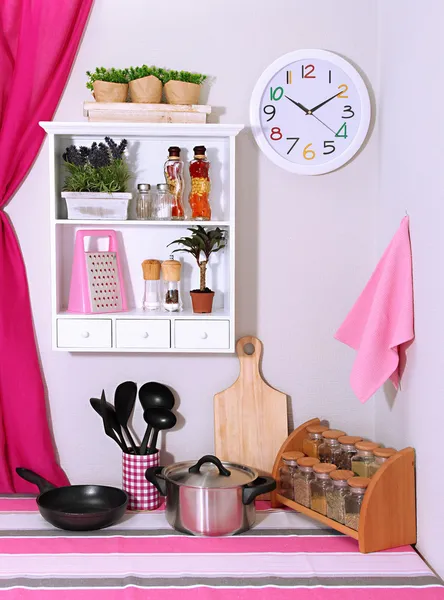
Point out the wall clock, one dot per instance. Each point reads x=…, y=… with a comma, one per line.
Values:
x=310, y=111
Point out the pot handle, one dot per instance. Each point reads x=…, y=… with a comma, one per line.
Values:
x=154, y=476
x=40, y=482
x=209, y=458
x=261, y=485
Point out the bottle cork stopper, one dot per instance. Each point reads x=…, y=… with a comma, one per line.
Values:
x=366, y=446
x=341, y=475
x=384, y=452
x=358, y=482
x=349, y=440
x=151, y=269
x=307, y=461
x=293, y=455
x=171, y=270
x=333, y=434
x=316, y=428
x=324, y=468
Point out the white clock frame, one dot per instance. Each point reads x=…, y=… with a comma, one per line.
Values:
x=255, y=107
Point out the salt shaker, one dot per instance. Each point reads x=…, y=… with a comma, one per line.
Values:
x=143, y=202
x=151, y=275
x=172, y=301
x=164, y=202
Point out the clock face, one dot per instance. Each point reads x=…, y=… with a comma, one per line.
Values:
x=310, y=112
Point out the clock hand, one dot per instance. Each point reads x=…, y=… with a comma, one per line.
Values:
x=299, y=105
x=325, y=102
x=325, y=124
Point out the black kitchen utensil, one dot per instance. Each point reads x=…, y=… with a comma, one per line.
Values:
x=160, y=419
x=124, y=400
x=112, y=419
x=153, y=395
x=77, y=507
x=107, y=423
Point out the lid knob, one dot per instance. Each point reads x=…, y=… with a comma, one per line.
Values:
x=209, y=458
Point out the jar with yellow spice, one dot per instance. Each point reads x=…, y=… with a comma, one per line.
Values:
x=330, y=447
x=287, y=473
x=319, y=486
x=361, y=461
x=380, y=456
x=311, y=443
x=302, y=479
x=354, y=499
x=348, y=450
x=336, y=494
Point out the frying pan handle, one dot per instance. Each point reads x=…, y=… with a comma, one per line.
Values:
x=209, y=458
x=41, y=482
x=261, y=485
x=154, y=476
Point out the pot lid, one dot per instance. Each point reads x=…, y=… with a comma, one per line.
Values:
x=209, y=472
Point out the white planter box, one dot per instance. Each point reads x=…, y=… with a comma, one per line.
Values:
x=95, y=205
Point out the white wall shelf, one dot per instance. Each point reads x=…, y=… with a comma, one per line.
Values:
x=137, y=330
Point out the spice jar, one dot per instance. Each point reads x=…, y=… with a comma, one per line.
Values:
x=319, y=486
x=363, y=458
x=287, y=472
x=353, y=500
x=330, y=447
x=144, y=204
x=173, y=170
x=200, y=185
x=302, y=479
x=381, y=455
x=151, y=275
x=348, y=450
x=163, y=203
x=172, y=301
x=311, y=443
x=336, y=494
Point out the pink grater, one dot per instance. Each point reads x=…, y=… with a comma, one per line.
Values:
x=96, y=278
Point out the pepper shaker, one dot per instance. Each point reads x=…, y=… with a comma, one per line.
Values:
x=172, y=301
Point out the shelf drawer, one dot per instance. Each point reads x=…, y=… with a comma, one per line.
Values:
x=143, y=333
x=199, y=334
x=84, y=333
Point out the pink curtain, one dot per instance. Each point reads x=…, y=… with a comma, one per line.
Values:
x=38, y=43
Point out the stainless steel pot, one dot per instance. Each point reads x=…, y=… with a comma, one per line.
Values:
x=209, y=497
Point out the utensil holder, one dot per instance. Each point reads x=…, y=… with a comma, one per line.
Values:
x=142, y=494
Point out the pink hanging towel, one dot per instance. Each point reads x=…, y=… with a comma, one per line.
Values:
x=382, y=319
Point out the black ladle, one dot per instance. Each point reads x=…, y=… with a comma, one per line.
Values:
x=124, y=400
x=159, y=419
x=109, y=418
x=153, y=395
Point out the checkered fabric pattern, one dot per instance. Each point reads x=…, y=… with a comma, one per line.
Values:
x=142, y=494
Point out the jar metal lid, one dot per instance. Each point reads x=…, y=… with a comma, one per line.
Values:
x=358, y=482
x=384, y=452
x=333, y=434
x=162, y=187
x=143, y=187
x=366, y=446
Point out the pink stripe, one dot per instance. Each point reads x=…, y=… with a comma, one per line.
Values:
x=180, y=545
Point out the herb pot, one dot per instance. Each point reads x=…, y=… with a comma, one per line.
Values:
x=107, y=91
x=146, y=89
x=210, y=497
x=202, y=301
x=181, y=92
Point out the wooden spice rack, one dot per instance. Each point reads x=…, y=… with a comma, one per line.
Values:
x=388, y=513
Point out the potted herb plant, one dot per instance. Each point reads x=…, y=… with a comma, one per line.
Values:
x=201, y=244
x=145, y=84
x=96, y=181
x=182, y=87
x=108, y=85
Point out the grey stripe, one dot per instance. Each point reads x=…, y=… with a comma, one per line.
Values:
x=236, y=582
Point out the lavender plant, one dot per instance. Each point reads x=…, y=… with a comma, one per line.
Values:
x=99, y=168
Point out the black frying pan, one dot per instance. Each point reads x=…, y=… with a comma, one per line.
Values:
x=77, y=507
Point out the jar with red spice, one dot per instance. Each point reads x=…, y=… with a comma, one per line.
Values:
x=173, y=170
x=200, y=185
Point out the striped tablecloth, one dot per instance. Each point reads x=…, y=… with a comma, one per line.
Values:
x=285, y=557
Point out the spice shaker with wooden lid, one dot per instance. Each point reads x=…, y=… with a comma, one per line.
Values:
x=287, y=472
x=336, y=494
x=330, y=447
x=363, y=458
x=319, y=486
x=151, y=275
x=311, y=443
x=354, y=499
x=302, y=479
x=172, y=298
x=348, y=450
x=380, y=456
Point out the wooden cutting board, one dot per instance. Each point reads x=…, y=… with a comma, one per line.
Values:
x=250, y=417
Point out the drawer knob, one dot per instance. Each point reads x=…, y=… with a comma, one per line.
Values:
x=85, y=334
x=204, y=335
x=145, y=334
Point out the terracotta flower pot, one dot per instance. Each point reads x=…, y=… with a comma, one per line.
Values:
x=182, y=92
x=146, y=89
x=106, y=91
x=202, y=301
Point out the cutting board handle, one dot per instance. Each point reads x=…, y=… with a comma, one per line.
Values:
x=252, y=360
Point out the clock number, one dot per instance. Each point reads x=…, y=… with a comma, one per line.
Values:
x=276, y=93
x=348, y=109
x=307, y=74
x=289, y=77
x=343, y=128
x=344, y=89
x=271, y=112
x=329, y=77
x=293, y=145
x=329, y=144
x=276, y=134
x=307, y=153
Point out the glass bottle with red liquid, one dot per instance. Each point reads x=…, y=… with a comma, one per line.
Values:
x=173, y=170
x=200, y=185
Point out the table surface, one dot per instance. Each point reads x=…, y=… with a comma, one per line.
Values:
x=286, y=556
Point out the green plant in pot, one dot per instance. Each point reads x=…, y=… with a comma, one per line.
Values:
x=182, y=87
x=108, y=85
x=145, y=84
x=201, y=244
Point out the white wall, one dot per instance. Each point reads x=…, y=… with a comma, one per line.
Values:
x=412, y=177
x=305, y=244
